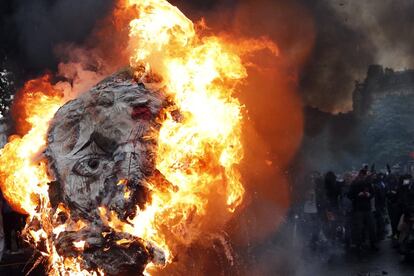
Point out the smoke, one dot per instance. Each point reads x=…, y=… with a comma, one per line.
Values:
x=331, y=141
x=340, y=57
x=350, y=36
x=386, y=24
x=83, y=69
x=287, y=253
x=42, y=25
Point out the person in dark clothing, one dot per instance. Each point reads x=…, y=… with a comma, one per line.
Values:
x=361, y=193
x=12, y=225
x=333, y=191
x=311, y=210
x=405, y=193
x=346, y=209
x=380, y=205
x=405, y=228
x=331, y=205
x=393, y=206
x=1, y=226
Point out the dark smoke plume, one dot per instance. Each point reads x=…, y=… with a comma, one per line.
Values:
x=350, y=36
x=32, y=29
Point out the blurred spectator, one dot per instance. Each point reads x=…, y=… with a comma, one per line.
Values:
x=361, y=193
x=346, y=208
x=380, y=205
x=393, y=206
x=12, y=226
x=405, y=228
x=1, y=227
x=311, y=219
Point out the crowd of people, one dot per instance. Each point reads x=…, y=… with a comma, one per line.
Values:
x=359, y=209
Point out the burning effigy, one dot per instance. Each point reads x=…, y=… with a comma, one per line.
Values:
x=100, y=150
x=118, y=178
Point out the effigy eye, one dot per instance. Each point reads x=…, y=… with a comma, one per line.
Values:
x=88, y=166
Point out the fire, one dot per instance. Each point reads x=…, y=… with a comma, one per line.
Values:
x=198, y=151
x=24, y=179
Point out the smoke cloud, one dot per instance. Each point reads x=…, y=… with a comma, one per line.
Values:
x=350, y=36
x=386, y=24
x=32, y=29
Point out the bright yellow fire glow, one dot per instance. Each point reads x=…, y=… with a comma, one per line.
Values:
x=198, y=151
x=23, y=178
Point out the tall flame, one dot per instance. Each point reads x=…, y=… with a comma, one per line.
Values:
x=24, y=179
x=199, y=153
x=198, y=149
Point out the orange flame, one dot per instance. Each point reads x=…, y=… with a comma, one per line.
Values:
x=197, y=153
x=24, y=179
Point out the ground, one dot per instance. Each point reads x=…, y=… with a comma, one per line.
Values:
x=384, y=262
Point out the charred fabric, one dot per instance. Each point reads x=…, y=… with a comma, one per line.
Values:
x=100, y=150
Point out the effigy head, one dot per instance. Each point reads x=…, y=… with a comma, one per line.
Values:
x=100, y=150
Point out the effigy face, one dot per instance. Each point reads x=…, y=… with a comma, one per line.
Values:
x=101, y=150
